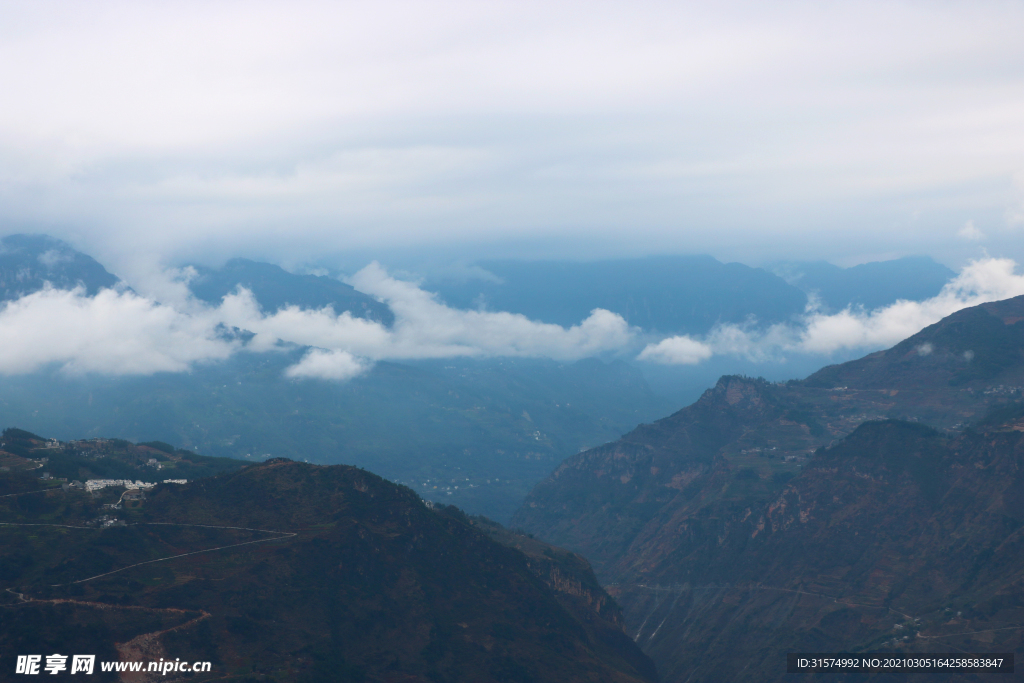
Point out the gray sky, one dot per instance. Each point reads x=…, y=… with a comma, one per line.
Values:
x=163, y=131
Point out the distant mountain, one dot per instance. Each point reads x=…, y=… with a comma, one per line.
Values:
x=665, y=294
x=275, y=288
x=292, y=572
x=871, y=285
x=28, y=262
x=704, y=518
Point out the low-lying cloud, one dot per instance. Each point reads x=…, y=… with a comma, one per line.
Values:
x=122, y=333
x=983, y=280
x=116, y=333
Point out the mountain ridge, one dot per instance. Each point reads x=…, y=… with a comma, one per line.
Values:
x=28, y=262
x=687, y=500
x=275, y=288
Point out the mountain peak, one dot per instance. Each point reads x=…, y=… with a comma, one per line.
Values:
x=28, y=262
x=276, y=288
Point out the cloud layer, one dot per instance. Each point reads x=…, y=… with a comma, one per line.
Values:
x=980, y=281
x=114, y=333
x=315, y=125
x=122, y=333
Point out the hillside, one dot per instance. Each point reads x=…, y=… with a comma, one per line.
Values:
x=276, y=288
x=28, y=262
x=666, y=294
x=871, y=285
x=897, y=538
x=292, y=572
x=976, y=348
x=671, y=503
x=105, y=458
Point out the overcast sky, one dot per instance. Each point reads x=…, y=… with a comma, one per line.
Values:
x=304, y=131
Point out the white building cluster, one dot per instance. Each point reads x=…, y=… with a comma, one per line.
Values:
x=96, y=484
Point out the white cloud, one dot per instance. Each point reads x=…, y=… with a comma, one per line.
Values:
x=424, y=327
x=970, y=232
x=120, y=332
x=980, y=281
x=124, y=333
x=682, y=350
x=116, y=333
x=321, y=364
x=321, y=328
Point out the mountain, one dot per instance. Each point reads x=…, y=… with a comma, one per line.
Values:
x=966, y=351
x=871, y=285
x=28, y=262
x=276, y=288
x=674, y=510
x=665, y=294
x=896, y=538
x=292, y=572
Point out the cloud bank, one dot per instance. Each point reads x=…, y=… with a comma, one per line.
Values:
x=980, y=281
x=114, y=333
x=122, y=333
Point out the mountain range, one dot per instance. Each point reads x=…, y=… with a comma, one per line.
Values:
x=874, y=505
x=476, y=433
x=685, y=294
x=276, y=288
x=871, y=285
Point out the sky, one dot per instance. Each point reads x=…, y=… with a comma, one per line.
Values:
x=322, y=133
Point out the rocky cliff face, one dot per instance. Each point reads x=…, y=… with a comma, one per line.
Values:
x=817, y=515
